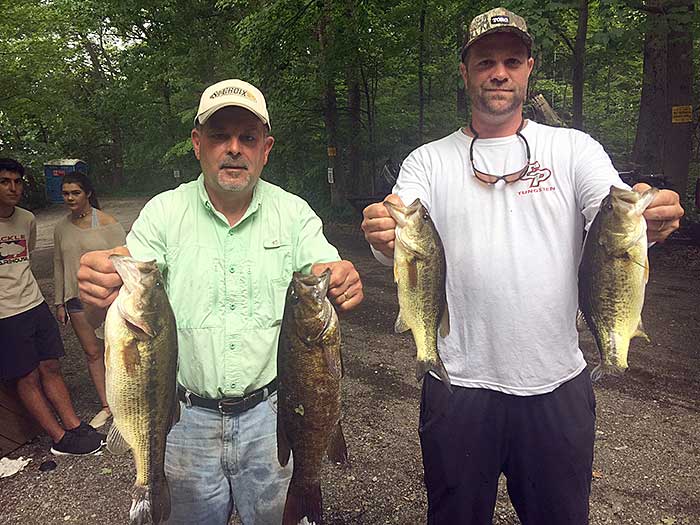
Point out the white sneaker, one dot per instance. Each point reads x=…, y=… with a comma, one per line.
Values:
x=100, y=418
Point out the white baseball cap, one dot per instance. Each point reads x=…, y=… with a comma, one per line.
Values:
x=232, y=92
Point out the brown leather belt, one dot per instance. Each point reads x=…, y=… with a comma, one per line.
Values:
x=230, y=406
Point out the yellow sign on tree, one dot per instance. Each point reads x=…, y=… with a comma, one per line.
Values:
x=681, y=114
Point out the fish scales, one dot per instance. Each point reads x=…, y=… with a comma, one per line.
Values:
x=612, y=277
x=419, y=273
x=309, y=374
x=140, y=376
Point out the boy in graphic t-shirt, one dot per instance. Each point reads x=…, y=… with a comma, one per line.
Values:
x=30, y=343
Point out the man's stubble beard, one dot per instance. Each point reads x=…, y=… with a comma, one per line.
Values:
x=486, y=105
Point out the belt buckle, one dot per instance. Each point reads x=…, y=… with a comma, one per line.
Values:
x=228, y=407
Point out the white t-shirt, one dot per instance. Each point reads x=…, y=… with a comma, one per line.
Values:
x=512, y=251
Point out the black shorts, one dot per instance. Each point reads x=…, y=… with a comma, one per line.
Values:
x=27, y=339
x=542, y=444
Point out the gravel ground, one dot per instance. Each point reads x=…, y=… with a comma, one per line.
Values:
x=647, y=453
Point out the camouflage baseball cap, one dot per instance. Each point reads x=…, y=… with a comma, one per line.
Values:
x=498, y=19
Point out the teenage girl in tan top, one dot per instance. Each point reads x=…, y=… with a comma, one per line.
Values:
x=85, y=229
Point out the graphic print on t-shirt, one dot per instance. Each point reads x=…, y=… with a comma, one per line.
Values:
x=13, y=249
x=536, y=176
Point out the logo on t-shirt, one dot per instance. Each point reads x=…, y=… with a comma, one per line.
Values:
x=536, y=176
x=13, y=249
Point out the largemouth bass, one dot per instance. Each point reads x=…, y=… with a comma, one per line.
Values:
x=419, y=273
x=141, y=363
x=309, y=370
x=612, y=276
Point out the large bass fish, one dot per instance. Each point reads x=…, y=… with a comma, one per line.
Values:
x=419, y=272
x=612, y=276
x=309, y=370
x=141, y=363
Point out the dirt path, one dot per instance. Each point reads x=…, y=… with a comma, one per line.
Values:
x=647, y=464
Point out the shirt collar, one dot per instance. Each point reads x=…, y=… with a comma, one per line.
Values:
x=256, y=201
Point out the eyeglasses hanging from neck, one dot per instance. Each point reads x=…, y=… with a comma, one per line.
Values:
x=487, y=178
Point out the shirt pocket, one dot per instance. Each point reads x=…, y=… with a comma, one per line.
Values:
x=278, y=268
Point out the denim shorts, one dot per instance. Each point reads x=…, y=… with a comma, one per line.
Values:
x=26, y=339
x=73, y=305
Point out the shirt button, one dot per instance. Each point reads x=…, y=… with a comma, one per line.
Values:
x=233, y=307
x=231, y=269
x=230, y=233
x=232, y=346
x=233, y=385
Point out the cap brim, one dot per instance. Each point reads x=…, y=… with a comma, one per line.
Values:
x=204, y=116
x=527, y=39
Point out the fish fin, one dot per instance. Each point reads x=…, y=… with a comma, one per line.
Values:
x=303, y=502
x=605, y=369
x=149, y=506
x=333, y=362
x=423, y=367
x=640, y=332
x=283, y=448
x=444, y=329
x=116, y=444
x=174, y=413
x=337, y=449
x=581, y=324
x=400, y=325
x=412, y=273
x=646, y=270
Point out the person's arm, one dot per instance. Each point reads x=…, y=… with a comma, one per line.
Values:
x=412, y=183
x=58, y=276
x=314, y=253
x=594, y=176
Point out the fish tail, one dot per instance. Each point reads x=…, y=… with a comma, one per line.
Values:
x=604, y=369
x=150, y=503
x=303, y=501
x=434, y=365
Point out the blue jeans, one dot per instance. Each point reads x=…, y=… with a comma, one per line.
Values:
x=215, y=463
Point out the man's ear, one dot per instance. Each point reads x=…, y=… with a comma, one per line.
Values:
x=463, y=73
x=196, y=137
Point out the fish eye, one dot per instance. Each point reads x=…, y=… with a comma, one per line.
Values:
x=294, y=297
x=158, y=284
x=426, y=215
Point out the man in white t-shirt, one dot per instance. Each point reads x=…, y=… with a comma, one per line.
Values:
x=510, y=199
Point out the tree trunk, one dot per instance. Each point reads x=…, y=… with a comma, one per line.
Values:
x=579, y=65
x=461, y=92
x=649, y=144
x=421, y=63
x=330, y=109
x=680, y=94
x=356, y=183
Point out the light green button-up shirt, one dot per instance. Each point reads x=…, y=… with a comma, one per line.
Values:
x=227, y=285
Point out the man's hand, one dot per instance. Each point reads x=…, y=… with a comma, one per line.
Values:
x=379, y=226
x=663, y=214
x=345, y=288
x=98, y=281
x=61, y=314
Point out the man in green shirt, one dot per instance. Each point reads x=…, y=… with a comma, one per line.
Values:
x=227, y=244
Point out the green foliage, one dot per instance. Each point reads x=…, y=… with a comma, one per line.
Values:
x=112, y=81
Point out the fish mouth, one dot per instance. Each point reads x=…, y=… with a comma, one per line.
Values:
x=631, y=201
x=130, y=269
x=401, y=214
x=313, y=281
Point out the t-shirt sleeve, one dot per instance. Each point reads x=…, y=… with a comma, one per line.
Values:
x=413, y=181
x=32, y=234
x=594, y=174
x=147, y=239
x=311, y=246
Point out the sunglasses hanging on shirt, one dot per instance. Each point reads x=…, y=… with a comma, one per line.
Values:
x=509, y=177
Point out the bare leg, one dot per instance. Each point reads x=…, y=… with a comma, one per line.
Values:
x=57, y=392
x=32, y=395
x=94, y=352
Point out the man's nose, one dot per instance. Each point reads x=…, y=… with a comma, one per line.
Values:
x=234, y=146
x=15, y=187
x=499, y=74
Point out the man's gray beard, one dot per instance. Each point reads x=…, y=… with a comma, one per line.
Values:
x=234, y=187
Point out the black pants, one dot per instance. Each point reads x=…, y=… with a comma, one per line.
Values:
x=543, y=444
